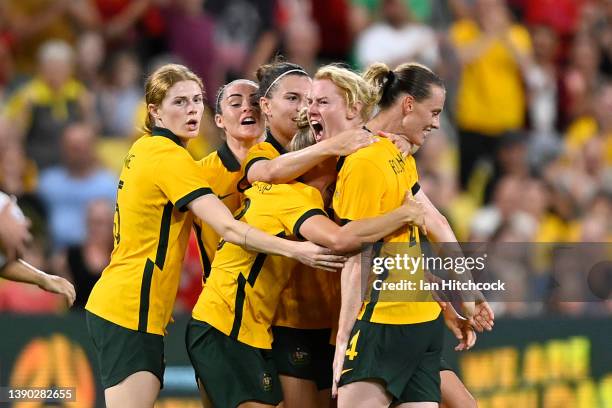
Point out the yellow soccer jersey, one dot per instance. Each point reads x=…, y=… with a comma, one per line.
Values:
x=311, y=300
x=266, y=150
x=222, y=171
x=158, y=180
x=372, y=182
x=242, y=293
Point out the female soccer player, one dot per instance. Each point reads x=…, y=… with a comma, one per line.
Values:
x=394, y=354
x=131, y=304
x=230, y=336
x=237, y=113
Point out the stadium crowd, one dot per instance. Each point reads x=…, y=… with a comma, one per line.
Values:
x=524, y=153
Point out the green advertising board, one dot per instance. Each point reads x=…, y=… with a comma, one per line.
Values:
x=548, y=363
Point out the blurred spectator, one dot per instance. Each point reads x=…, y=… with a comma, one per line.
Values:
x=138, y=24
x=245, y=35
x=83, y=264
x=68, y=189
x=332, y=17
x=603, y=32
x=598, y=124
x=397, y=39
x=121, y=96
x=190, y=36
x=491, y=99
x=17, y=173
x=33, y=22
x=581, y=78
x=90, y=54
x=364, y=12
x=505, y=202
x=511, y=157
x=561, y=15
x=7, y=69
x=541, y=78
x=43, y=107
x=301, y=42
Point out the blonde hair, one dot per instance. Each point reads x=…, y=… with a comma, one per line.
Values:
x=411, y=78
x=354, y=87
x=304, y=136
x=160, y=81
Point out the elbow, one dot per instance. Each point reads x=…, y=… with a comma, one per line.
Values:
x=274, y=174
x=230, y=232
x=343, y=243
x=438, y=224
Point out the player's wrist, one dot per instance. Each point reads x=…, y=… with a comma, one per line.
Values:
x=292, y=249
x=328, y=147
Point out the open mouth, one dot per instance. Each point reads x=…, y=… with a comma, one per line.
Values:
x=192, y=123
x=249, y=120
x=317, y=128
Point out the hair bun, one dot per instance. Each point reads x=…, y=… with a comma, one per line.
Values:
x=390, y=77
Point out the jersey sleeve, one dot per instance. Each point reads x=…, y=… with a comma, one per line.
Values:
x=296, y=206
x=261, y=151
x=359, y=190
x=181, y=178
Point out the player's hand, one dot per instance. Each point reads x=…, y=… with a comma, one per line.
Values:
x=415, y=212
x=460, y=327
x=318, y=257
x=483, y=316
x=14, y=234
x=400, y=142
x=338, y=364
x=59, y=285
x=350, y=141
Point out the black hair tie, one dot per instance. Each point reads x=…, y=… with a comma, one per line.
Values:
x=390, y=77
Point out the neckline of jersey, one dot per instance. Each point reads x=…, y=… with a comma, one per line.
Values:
x=228, y=158
x=160, y=131
x=270, y=139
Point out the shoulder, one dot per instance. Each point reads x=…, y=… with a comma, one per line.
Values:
x=262, y=147
x=289, y=194
x=210, y=160
x=374, y=153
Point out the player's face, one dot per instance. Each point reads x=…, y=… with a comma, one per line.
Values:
x=241, y=117
x=283, y=107
x=327, y=110
x=181, y=110
x=422, y=117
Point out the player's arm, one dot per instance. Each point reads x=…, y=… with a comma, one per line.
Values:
x=14, y=233
x=21, y=271
x=351, y=297
x=323, y=231
x=444, y=241
x=214, y=213
x=180, y=178
x=292, y=165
